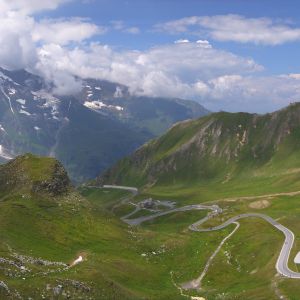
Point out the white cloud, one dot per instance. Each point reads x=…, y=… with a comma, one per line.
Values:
x=31, y=6
x=17, y=48
x=294, y=76
x=186, y=70
x=121, y=26
x=58, y=72
x=204, y=44
x=181, y=41
x=235, y=28
x=160, y=71
x=64, y=31
x=252, y=94
x=21, y=37
x=59, y=50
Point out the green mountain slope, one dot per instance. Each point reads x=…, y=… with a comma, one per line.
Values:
x=45, y=225
x=220, y=147
x=245, y=164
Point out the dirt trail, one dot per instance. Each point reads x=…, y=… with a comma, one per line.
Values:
x=257, y=197
x=196, y=283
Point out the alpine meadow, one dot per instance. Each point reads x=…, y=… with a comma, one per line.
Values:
x=149, y=150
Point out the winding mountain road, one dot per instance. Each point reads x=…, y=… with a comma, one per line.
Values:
x=283, y=258
x=140, y=220
x=282, y=261
x=133, y=190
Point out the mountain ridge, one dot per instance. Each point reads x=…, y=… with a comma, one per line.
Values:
x=212, y=147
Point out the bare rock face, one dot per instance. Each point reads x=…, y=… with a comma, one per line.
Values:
x=58, y=184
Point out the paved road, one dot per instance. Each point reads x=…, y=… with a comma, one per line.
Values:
x=133, y=222
x=282, y=261
x=133, y=190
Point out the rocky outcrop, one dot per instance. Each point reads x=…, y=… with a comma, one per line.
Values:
x=58, y=184
x=28, y=174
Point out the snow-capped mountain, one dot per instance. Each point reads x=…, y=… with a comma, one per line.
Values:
x=88, y=131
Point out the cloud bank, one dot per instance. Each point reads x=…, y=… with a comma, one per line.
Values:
x=30, y=7
x=61, y=50
x=234, y=28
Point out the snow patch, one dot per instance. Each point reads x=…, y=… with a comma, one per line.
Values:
x=4, y=77
x=118, y=93
x=94, y=104
x=24, y=112
x=77, y=261
x=97, y=105
x=2, y=128
x=4, y=154
x=21, y=101
x=98, y=88
x=50, y=102
x=11, y=91
x=37, y=128
x=8, y=98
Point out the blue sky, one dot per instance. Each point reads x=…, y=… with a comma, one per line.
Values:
x=146, y=13
x=226, y=54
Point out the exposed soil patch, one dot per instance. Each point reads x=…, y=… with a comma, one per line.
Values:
x=260, y=204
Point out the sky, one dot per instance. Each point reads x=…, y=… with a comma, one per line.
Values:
x=233, y=55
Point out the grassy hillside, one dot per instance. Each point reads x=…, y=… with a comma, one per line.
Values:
x=243, y=269
x=218, y=148
x=242, y=162
x=45, y=224
x=44, y=229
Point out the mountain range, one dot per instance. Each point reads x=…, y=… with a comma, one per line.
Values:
x=87, y=131
x=167, y=238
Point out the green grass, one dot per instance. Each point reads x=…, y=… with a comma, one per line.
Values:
x=209, y=160
x=115, y=267
x=124, y=262
x=254, y=248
